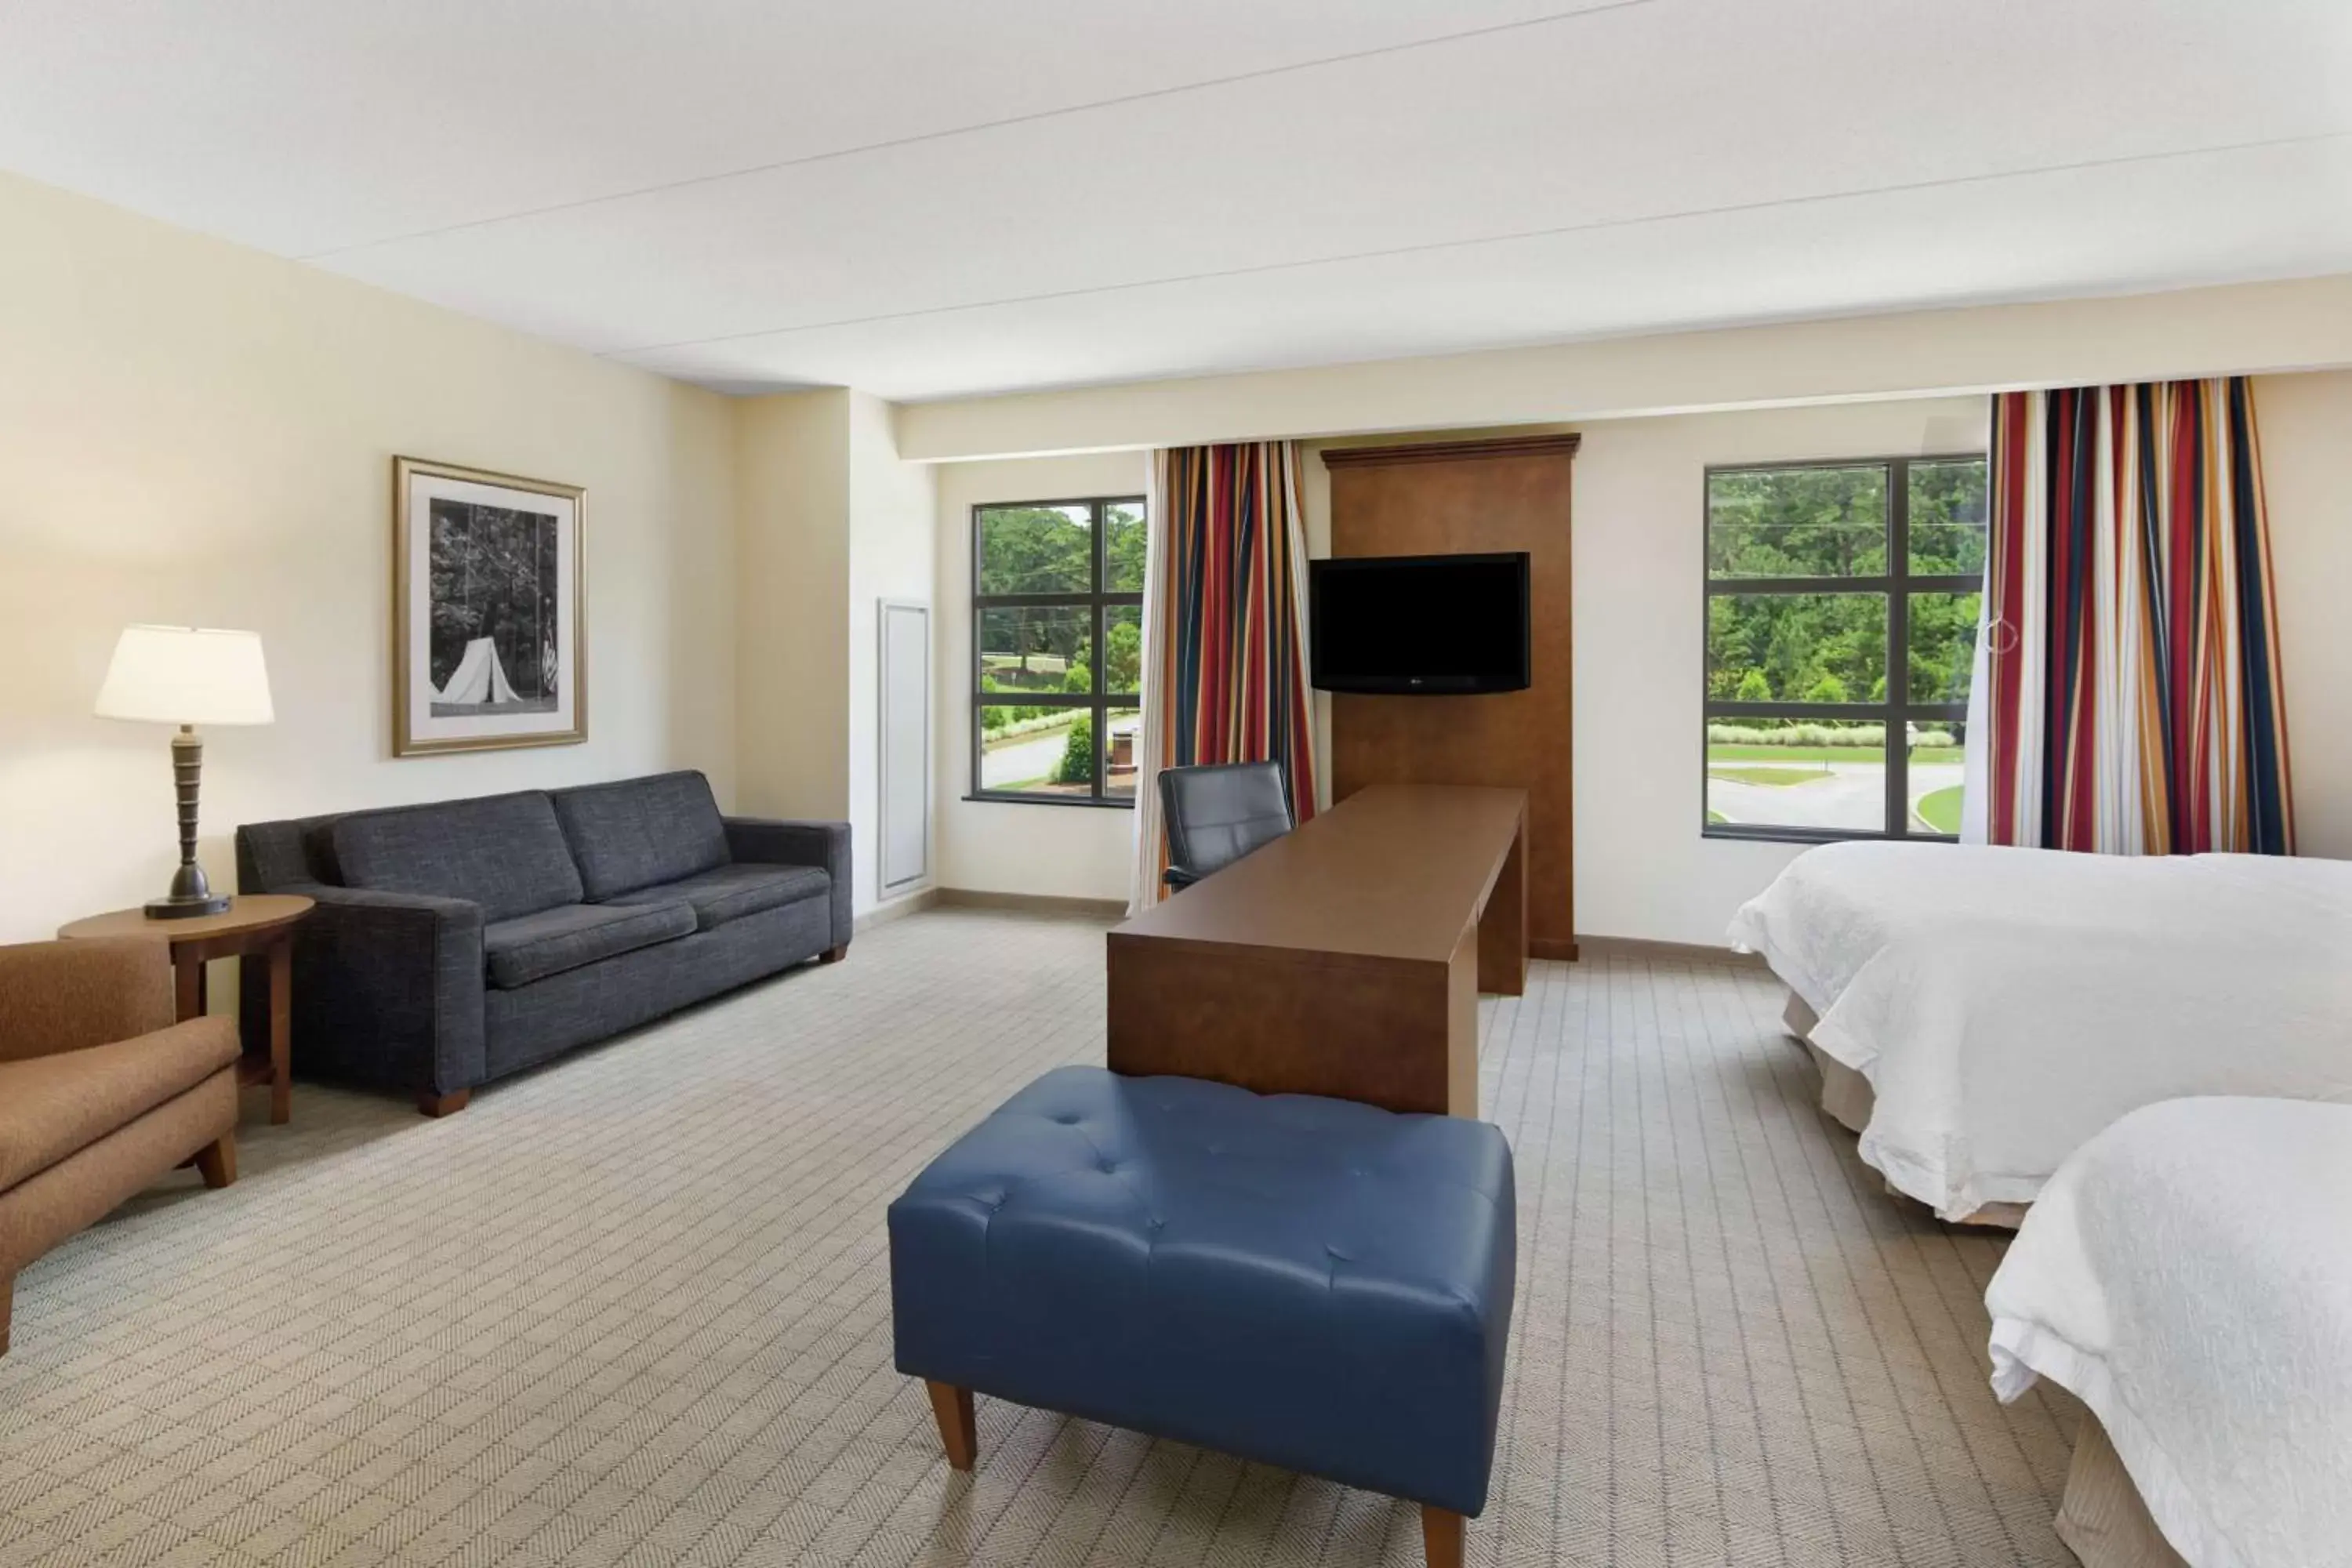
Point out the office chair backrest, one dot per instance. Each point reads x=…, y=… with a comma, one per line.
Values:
x=1217, y=814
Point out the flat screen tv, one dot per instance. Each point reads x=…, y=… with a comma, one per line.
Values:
x=1432, y=625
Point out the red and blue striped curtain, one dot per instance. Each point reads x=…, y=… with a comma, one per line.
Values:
x=1224, y=652
x=2127, y=699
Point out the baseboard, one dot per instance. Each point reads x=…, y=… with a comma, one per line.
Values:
x=1671, y=951
x=1032, y=903
x=898, y=908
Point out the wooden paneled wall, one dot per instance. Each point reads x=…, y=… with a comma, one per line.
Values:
x=1465, y=498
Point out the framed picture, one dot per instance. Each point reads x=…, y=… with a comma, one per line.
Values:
x=488, y=648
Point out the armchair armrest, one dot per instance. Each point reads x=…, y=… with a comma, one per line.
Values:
x=824, y=844
x=1177, y=877
x=387, y=989
x=62, y=996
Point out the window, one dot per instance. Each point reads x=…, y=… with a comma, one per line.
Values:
x=1057, y=650
x=1841, y=634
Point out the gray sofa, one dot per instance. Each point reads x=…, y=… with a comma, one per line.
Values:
x=458, y=943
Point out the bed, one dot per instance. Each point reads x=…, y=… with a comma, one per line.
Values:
x=1980, y=1013
x=2187, y=1275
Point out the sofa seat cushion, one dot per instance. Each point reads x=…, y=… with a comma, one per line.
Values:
x=731, y=892
x=54, y=1107
x=1306, y=1282
x=532, y=947
x=642, y=833
x=503, y=852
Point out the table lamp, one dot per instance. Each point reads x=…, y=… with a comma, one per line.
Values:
x=186, y=676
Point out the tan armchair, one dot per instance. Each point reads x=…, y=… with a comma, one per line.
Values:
x=100, y=1092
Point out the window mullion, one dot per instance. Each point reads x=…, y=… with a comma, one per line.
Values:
x=1895, y=734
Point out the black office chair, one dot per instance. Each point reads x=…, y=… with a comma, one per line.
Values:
x=1217, y=814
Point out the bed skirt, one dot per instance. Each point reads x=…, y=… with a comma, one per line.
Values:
x=1845, y=1093
x=1846, y=1099
x=2102, y=1519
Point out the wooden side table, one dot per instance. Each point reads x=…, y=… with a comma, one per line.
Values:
x=261, y=926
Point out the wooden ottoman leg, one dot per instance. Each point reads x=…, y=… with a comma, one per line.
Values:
x=957, y=1427
x=448, y=1104
x=1441, y=1537
x=7, y=1306
x=216, y=1161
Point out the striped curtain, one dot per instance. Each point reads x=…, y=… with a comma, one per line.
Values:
x=2127, y=698
x=1224, y=611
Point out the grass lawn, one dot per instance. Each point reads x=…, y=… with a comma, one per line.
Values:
x=1940, y=809
x=1726, y=753
x=1780, y=776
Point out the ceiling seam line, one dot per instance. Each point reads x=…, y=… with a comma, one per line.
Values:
x=1597, y=227
x=1178, y=90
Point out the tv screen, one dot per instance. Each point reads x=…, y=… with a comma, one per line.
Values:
x=1418, y=624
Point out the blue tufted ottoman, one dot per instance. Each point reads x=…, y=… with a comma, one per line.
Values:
x=1312, y=1283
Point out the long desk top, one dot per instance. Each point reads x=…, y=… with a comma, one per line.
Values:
x=1394, y=871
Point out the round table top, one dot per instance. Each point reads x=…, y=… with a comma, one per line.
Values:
x=245, y=913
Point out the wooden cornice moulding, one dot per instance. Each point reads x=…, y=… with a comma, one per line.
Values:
x=1562, y=445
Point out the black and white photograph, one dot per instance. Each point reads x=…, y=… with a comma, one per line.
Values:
x=488, y=610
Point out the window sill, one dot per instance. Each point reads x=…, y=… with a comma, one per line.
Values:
x=1744, y=834
x=1087, y=801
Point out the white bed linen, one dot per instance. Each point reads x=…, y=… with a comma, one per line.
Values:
x=2187, y=1275
x=2005, y=1004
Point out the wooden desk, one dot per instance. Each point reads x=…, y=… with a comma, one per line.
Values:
x=1345, y=959
x=257, y=925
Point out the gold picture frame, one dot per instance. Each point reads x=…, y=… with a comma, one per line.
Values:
x=489, y=577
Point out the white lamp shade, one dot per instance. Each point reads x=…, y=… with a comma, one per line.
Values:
x=186, y=674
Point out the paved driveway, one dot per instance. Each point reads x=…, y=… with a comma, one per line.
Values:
x=1833, y=794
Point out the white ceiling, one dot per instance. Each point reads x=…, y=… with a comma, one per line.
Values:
x=933, y=198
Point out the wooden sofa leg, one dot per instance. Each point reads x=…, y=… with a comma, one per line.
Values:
x=951, y=1406
x=1441, y=1537
x=7, y=1305
x=450, y=1104
x=216, y=1161
x=834, y=955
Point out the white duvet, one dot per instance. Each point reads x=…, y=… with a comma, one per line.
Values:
x=2187, y=1275
x=2006, y=1004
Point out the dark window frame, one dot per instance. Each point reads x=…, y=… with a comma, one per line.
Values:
x=1896, y=586
x=1097, y=600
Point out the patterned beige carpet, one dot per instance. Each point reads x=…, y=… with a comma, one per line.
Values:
x=634, y=1309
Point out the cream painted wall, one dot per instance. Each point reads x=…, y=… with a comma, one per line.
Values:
x=2307, y=429
x=1059, y=851
x=792, y=604
x=829, y=521
x=193, y=432
x=893, y=517
x=2244, y=329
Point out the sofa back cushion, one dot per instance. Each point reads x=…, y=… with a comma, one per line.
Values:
x=641, y=832
x=503, y=852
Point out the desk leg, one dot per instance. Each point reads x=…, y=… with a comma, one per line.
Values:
x=281, y=1030
x=1462, y=1028
x=188, y=990
x=1503, y=927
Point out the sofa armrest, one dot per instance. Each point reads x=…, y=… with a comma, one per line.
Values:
x=387, y=989
x=62, y=996
x=824, y=845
